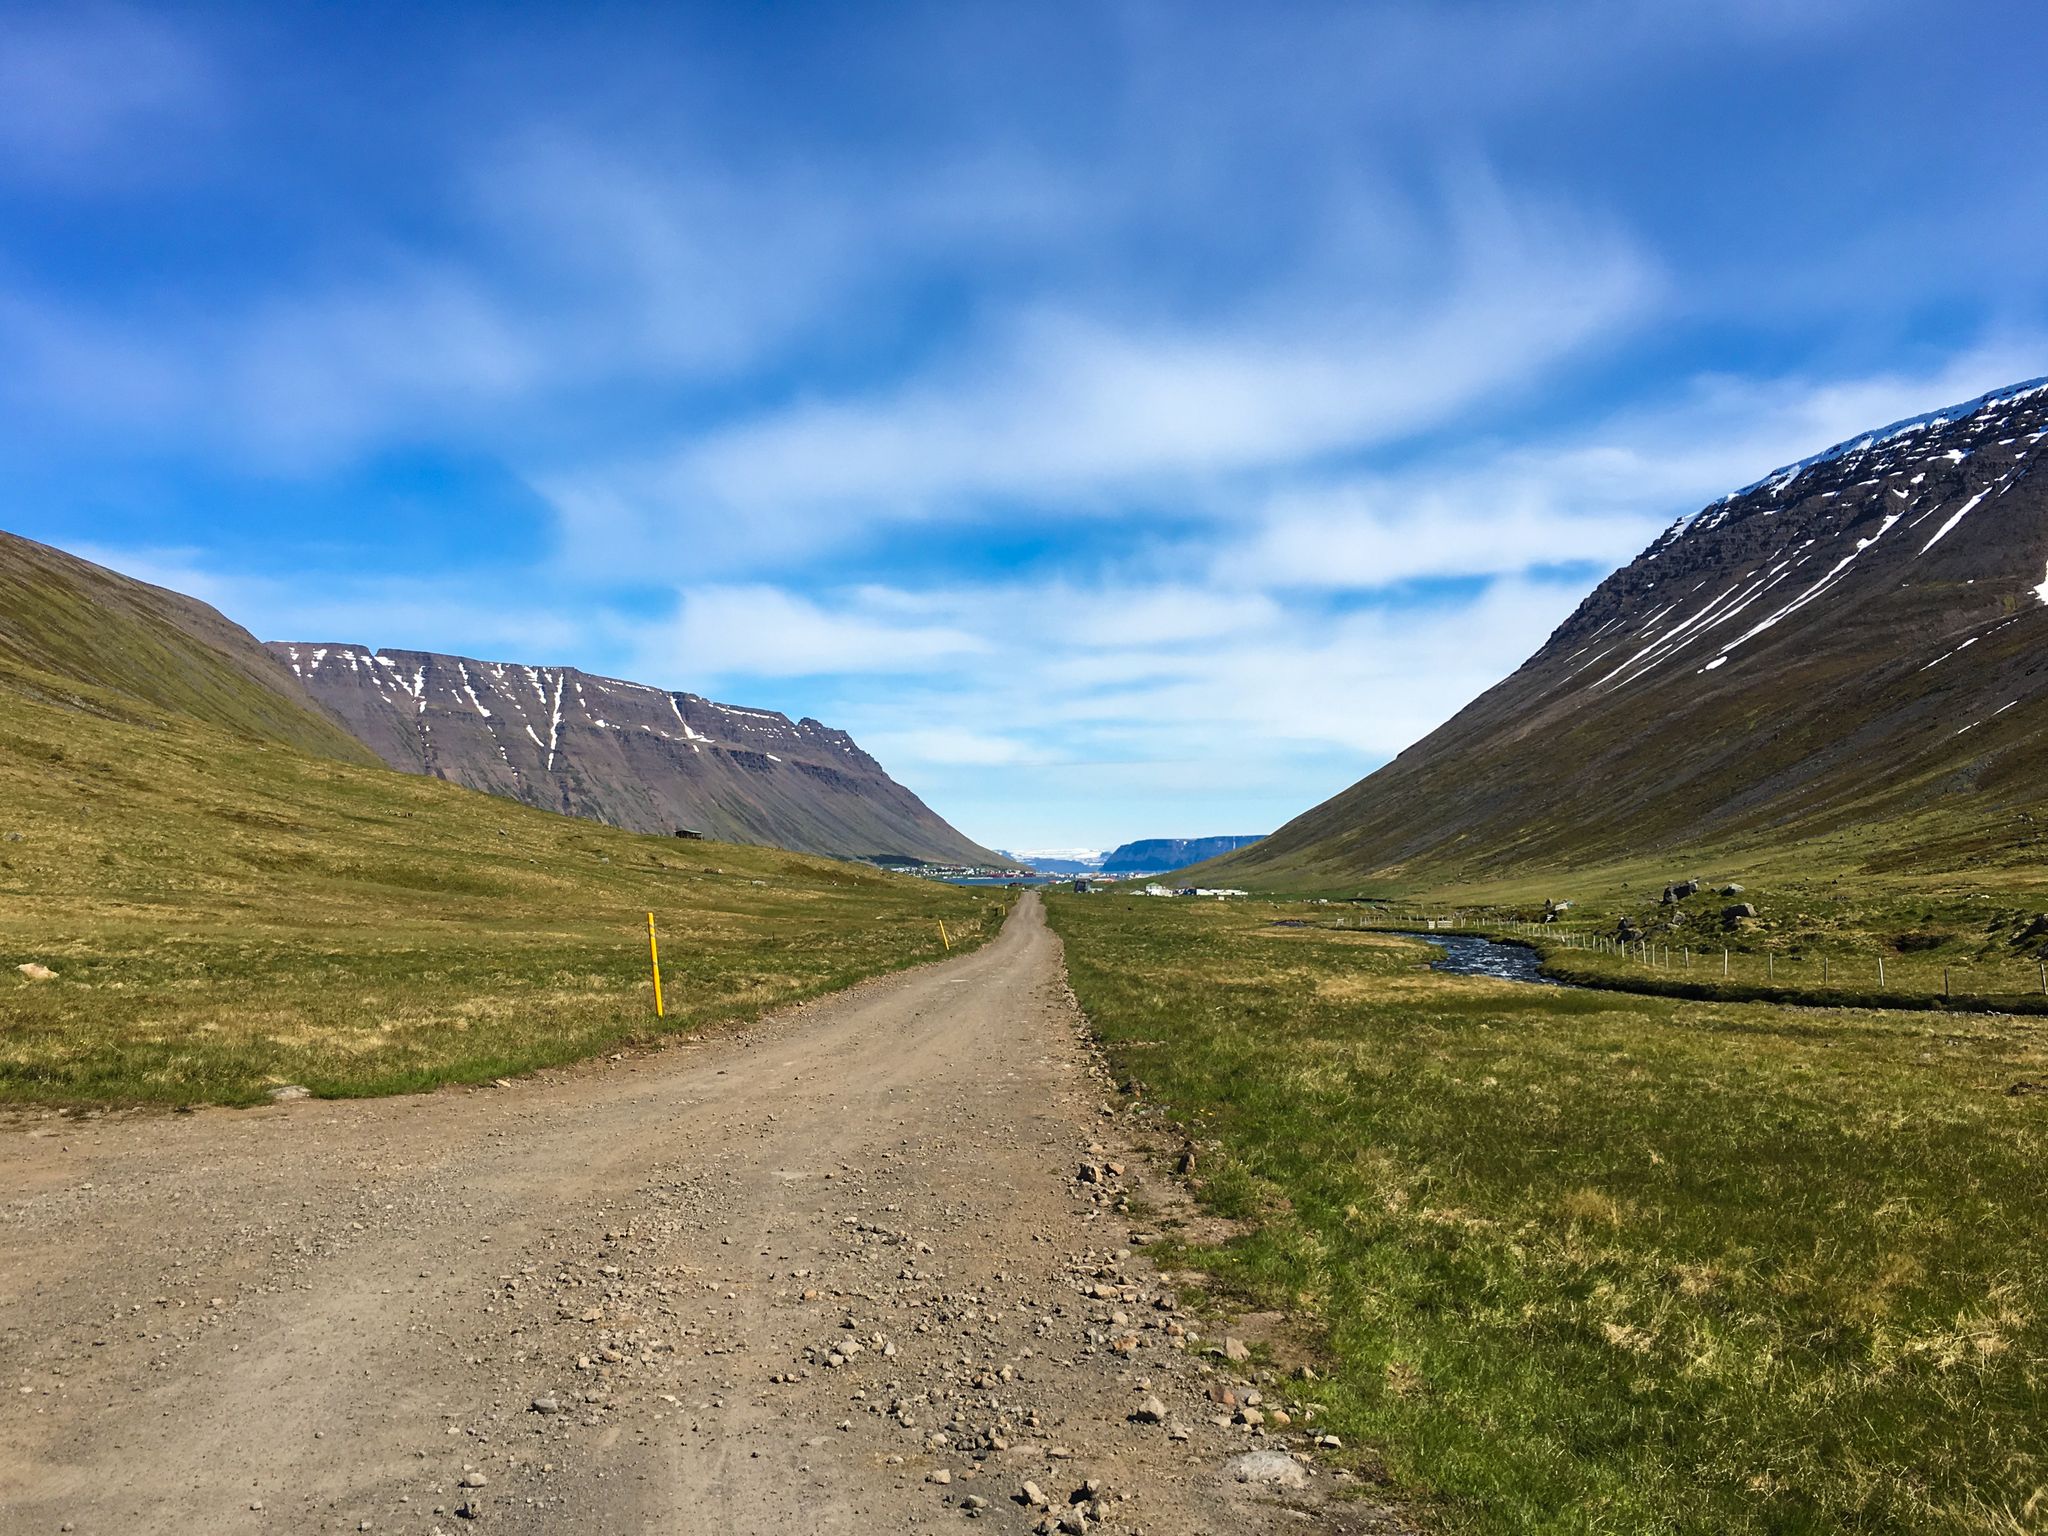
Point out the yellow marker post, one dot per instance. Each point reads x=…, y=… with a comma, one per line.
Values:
x=942, y=935
x=654, y=959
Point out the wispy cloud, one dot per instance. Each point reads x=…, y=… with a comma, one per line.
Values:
x=87, y=91
x=1068, y=412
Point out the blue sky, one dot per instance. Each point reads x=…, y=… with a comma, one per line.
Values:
x=1127, y=419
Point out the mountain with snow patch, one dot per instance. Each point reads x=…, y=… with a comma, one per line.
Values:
x=1857, y=641
x=625, y=753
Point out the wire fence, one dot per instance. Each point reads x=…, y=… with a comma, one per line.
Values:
x=1603, y=953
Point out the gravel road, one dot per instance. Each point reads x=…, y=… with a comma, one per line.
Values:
x=864, y=1266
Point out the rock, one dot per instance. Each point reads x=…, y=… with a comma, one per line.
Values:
x=1741, y=909
x=288, y=1093
x=1236, y=1349
x=1268, y=1469
x=36, y=972
x=1151, y=1411
x=1090, y=1173
x=1033, y=1496
x=1731, y=890
x=15, y=837
x=941, y=1477
x=545, y=1405
x=974, y=1503
x=474, y=1480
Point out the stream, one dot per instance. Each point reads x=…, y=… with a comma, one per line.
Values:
x=1468, y=955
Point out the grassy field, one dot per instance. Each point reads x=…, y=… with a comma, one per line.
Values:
x=1827, y=924
x=227, y=914
x=1591, y=1262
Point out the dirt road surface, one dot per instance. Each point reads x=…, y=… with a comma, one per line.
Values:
x=835, y=1272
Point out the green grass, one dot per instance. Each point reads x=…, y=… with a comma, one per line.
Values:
x=227, y=914
x=1825, y=921
x=1591, y=1262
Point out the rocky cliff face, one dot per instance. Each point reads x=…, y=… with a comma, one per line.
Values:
x=1859, y=639
x=624, y=753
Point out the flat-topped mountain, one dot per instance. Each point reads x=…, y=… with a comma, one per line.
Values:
x=1158, y=855
x=625, y=753
x=1858, y=640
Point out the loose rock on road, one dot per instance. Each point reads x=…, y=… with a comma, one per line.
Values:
x=864, y=1266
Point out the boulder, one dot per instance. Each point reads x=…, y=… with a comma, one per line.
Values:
x=1272, y=1469
x=1734, y=914
x=1731, y=889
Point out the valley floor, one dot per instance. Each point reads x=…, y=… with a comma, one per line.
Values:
x=610, y=1297
x=1592, y=1262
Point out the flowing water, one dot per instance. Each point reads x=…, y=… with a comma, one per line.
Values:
x=1469, y=955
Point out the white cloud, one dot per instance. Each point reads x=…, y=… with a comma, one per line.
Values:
x=764, y=631
x=1219, y=683
x=1072, y=412
x=1595, y=497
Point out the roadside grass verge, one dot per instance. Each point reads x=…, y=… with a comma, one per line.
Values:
x=1592, y=1262
x=227, y=915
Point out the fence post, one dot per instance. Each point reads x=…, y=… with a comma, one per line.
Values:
x=1880, y=971
x=1724, y=964
x=654, y=960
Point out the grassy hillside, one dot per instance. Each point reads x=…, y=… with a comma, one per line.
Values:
x=66, y=623
x=227, y=911
x=1585, y=1262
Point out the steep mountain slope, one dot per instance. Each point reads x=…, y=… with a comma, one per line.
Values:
x=1158, y=855
x=66, y=622
x=624, y=753
x=1858, y=642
